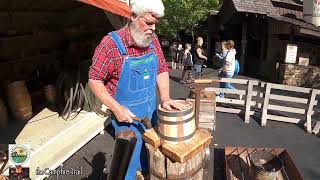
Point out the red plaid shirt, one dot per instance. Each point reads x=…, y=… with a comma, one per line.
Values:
x=107, y=60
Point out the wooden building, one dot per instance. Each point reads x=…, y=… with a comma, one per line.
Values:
x=39, y=39
x=264, y=32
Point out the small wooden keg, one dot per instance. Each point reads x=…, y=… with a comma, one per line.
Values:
x=19, y=100
x=3, y=114
x=50, y=93
x=176, y=126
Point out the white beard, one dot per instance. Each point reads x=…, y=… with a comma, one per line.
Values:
x=141, y=39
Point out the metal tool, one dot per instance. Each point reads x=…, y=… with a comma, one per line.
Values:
x=124, y=146
x=145, y=121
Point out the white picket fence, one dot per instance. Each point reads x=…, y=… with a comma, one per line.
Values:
x=277, y=102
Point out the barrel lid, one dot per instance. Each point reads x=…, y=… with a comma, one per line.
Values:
x=175, y=112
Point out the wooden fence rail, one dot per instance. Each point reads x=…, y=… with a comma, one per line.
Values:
x=265, y=97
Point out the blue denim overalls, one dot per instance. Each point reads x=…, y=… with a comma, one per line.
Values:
x=136, y=90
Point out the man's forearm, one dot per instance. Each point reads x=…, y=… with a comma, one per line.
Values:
x=102, y=94
x=163, y=86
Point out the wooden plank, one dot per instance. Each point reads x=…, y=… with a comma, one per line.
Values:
x=209, y=126
x=228, y=91
x=310, y=109
x=201, y=100
x=52, y=130
x=288, y=99
x=291, y=88
x=232, y=110
x=265, y=105
x=248, y=102
x=291, y=169
x=217, y=80
x=317, y=91
x=230, y=101
x=184, y=151
x=283, y=119
x=316, y=128
x=206, y=116
x=287, y=109
x=234, y=80
x=151, y=137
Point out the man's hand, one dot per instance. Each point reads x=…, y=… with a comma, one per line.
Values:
x=169, y=104
x=124, y=115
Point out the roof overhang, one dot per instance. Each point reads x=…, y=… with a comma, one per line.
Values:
x=309, y=32
x=115, y=6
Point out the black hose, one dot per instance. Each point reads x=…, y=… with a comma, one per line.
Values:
x=69, y=81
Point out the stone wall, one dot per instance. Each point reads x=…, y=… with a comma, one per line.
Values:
x=297, y=75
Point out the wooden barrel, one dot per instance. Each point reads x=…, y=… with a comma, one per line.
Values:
x=176, y=126
x=3, y=114
x=50, y=93
x=19, y=100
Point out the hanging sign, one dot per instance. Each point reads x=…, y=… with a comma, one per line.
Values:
x=291, y=53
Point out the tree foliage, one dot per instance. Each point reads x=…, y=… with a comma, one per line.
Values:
x=182, y=14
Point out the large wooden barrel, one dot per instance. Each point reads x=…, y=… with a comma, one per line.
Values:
x=19, y=100
x=50, y=94
x=176, y=126
x=3, y=114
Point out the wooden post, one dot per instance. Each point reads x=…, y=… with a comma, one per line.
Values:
x=197, y=110
x=243, y=45
x=265, y=105
x=157, y=161
x=162, y=167
x=248, y=101
x=311, y=103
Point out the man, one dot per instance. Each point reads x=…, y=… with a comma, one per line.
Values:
x=126, y=67
x=199, y=57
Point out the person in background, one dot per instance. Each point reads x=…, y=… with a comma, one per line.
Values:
x=180, y=54
x=199, y=57
x=187, y=62
x=127, y=68
x=221, y=56
x=228, y=68
x=173, y=54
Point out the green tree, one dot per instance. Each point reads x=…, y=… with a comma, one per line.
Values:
x=183, y=14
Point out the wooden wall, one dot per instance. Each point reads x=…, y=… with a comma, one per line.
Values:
x=44, y=38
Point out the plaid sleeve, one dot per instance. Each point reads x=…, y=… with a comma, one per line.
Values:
x=162, y=65
x=102, y=65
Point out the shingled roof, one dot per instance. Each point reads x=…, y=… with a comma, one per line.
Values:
x=293, y=2
x=266, y=7
x=255, y=6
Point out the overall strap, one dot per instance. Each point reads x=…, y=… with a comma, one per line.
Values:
x=118, y=42
x=152, y=45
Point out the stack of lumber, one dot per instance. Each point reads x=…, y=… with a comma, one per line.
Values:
x=207, y=114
